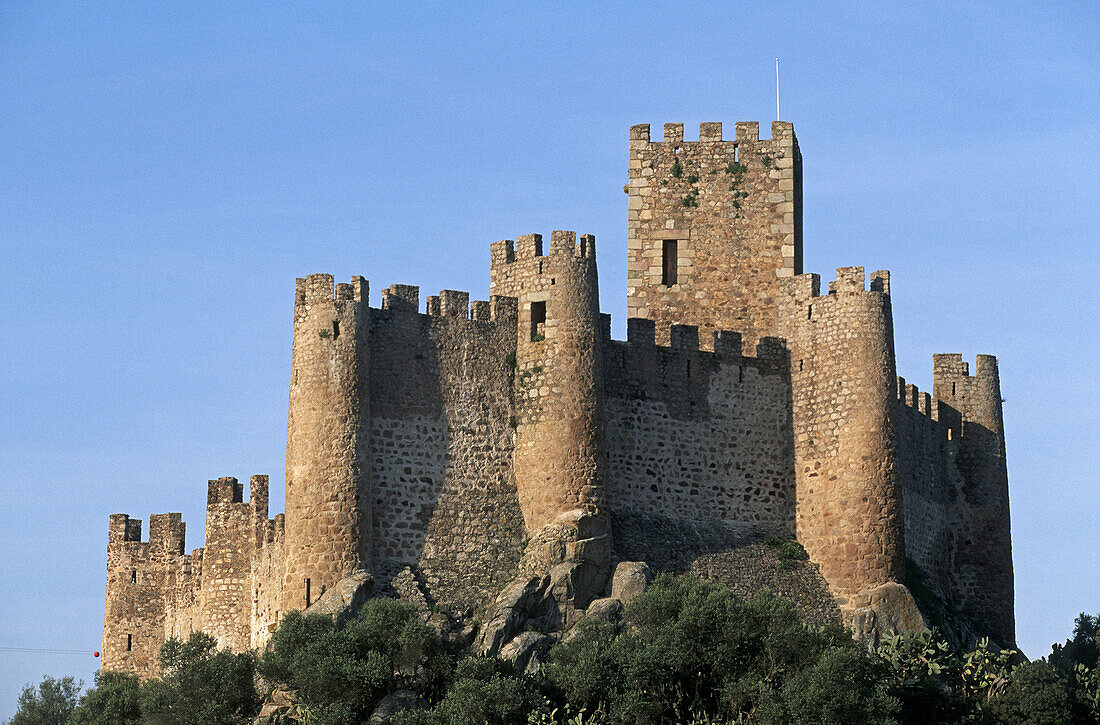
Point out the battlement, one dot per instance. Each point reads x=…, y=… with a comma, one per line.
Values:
x=641, y=334
x=166, y=532
x=224, y=490
x=122, y=529
x=531, y=246
x=944, y=421
x=401, y=298
x=745, y=132
x=951, y=366
x=803, y=288
x=317, y=288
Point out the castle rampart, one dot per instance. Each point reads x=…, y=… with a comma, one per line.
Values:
x=478, y=443
x=442, y=434
x=699, y=444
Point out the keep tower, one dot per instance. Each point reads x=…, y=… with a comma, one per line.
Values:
x=328, y=511
x=712, y=226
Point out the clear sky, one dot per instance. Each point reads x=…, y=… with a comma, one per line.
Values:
x=167, y=170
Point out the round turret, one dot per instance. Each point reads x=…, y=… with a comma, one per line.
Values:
x=328, y=513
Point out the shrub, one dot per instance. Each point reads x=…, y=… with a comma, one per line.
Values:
x=687, y=647
x=484, y=690
x=341, y=673
x=843, y=687
x=1037, y=695
x=201, y=685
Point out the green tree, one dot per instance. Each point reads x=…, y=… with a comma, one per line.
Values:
x=483, y=690
x=688, y=647
x=1037, y=694
x=1082, y=649
x=51, y=703
x=115, y=700
x=341, y=673
x=201, y=685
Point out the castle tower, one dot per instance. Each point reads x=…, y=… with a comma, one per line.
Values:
x=226, y=600
x=560, y=453
x=328, y=513
x=848, y=511
x=983, y=560
x=138, y=575
x=712, y=226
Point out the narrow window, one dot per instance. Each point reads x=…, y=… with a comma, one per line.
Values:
x=307, y=593
x=538, y=321
x=800, y=365
x=810, y=312
x=689, y=368
x=952, y=389
x=129, y=643
x=133, y=576
x=335, y=329
x=540, y=266
x=668, y=268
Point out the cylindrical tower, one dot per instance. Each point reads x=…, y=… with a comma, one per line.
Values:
x=843, y=381
x=560, y=455
x=328, y=507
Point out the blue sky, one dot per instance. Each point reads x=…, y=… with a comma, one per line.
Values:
x=167, y=170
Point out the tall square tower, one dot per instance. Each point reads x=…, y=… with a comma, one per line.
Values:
x=712, y=226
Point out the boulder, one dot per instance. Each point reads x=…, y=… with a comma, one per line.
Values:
x=342, y=601
x=607, y=609
x=527, y=651
x=890, y=609
x=510, y=612
x=397, y=702
x=630, y=579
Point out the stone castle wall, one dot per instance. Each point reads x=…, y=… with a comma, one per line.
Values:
x=328, y=516
x=457, y=442
x=699, y=441
x=843, y=379
x=560, y=456
x=442, y=440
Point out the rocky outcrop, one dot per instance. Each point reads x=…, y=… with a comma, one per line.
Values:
x=396, y=702
x=888, y=609
x=527, y=652
x=630, y=579
x=343, y=601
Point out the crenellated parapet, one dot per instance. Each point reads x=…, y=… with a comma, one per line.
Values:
x=712, y=226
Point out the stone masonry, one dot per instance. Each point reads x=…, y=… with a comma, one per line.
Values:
x=460, y=448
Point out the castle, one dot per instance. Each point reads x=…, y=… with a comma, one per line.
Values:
x=477, y=442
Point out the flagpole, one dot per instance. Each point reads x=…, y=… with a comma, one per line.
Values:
x=776, y=89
